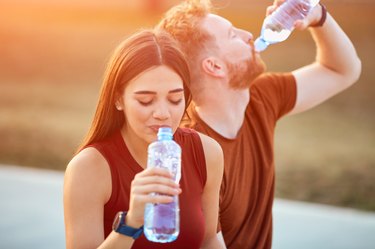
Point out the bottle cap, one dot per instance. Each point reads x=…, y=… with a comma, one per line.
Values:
x=165, y=133
x=260, y=44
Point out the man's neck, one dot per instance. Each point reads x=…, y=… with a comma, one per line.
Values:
x=223, y=109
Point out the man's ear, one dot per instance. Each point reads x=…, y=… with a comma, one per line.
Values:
x=213, y=67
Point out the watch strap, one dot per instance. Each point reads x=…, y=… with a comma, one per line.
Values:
x=322, y=18
x=135, y=233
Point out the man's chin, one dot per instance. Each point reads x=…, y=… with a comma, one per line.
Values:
x=242, y=79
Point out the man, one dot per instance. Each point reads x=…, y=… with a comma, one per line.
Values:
x=238, y=104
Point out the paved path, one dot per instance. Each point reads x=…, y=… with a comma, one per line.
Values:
x=32, y=217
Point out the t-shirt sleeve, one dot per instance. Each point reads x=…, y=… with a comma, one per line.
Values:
x=278, y=92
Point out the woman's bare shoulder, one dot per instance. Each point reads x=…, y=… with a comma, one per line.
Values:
x=89, y=170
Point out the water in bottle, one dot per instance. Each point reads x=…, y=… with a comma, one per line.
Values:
x=278, y=26
x=162, y=221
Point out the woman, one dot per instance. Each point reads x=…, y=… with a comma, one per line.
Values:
x=145, y=87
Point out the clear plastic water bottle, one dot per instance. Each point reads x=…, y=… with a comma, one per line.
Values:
x=278, y=26
x=162, y=221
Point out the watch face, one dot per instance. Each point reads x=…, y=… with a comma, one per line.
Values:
x=117, y=221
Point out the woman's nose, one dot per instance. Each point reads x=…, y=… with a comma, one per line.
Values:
x=161, y=112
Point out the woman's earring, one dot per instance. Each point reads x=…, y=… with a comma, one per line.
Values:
x=118, y=107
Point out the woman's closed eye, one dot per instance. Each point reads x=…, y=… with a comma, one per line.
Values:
x=149, y=102
x=175, y=101
x=146, y=101
x=175, y=98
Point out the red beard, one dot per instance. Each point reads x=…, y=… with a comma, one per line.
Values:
x=242, y=74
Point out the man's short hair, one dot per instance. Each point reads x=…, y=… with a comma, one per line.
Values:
x=183, y=22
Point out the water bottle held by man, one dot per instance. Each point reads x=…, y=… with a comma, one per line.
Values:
x=162, y=221
x=278, y=26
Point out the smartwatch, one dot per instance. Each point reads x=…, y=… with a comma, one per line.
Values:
x=120, y=226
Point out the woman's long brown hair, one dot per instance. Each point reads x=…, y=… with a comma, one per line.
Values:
x=140, y=52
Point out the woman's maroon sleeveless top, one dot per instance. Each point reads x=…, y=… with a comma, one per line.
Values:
x=123, y=169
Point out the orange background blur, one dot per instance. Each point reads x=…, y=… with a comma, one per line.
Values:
x=53, y=54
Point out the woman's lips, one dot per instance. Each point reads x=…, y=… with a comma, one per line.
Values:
x=155, y=128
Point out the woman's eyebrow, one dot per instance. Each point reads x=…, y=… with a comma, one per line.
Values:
x=176, y=90
x=153, y=92
x=144, y=92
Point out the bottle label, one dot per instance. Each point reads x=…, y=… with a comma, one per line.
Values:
x=285, y=16
x=278, y=26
